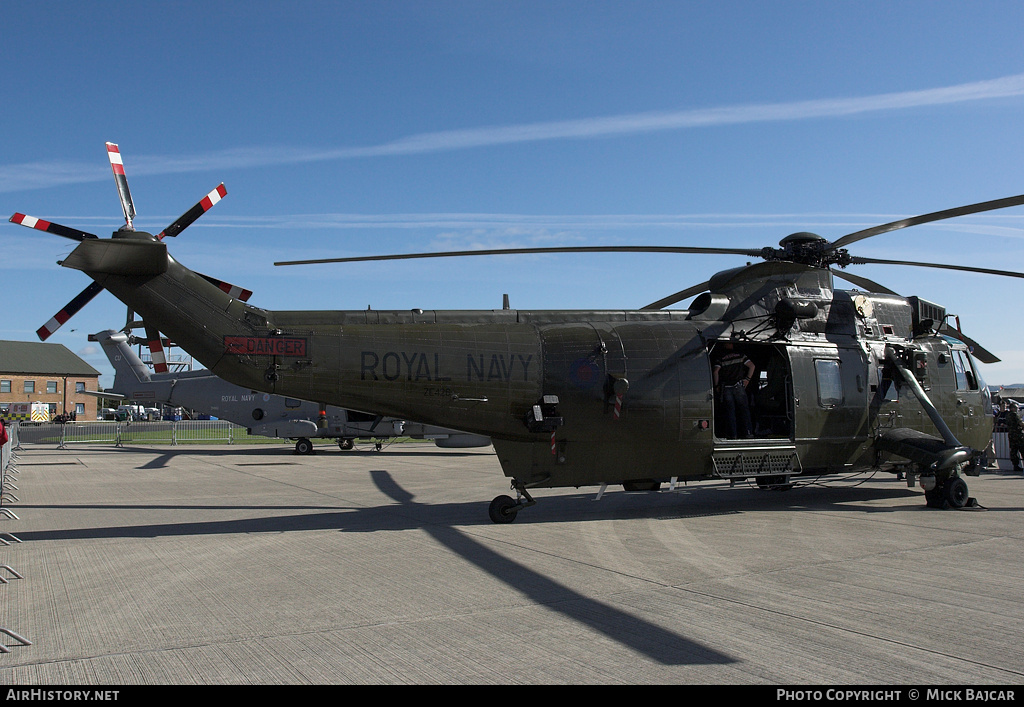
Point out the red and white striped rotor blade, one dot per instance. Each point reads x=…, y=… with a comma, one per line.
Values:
x=117, y=165
x=69, y=310
x=186, y=219
x=156, y=350
x=235, y=291
x=50, y=227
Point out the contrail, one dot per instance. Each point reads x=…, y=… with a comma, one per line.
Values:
x=37, y=175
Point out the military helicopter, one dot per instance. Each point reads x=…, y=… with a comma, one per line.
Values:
x=842, y=381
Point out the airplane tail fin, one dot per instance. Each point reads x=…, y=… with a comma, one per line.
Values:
x=128, y=367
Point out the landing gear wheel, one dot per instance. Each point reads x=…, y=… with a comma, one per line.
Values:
x=303, y=446
x=641, y=485
x=955, y=493
x=773, y=483
x=934, y=498
x=346, y=444
x=503, y=509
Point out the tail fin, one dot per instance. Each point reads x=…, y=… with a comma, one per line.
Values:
x=128, y=367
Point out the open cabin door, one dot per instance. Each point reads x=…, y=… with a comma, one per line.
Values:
x=769, y=395
x=767, y=452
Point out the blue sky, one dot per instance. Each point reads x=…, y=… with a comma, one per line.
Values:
x=357, y=128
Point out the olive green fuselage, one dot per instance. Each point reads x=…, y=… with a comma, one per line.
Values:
x=572, y=398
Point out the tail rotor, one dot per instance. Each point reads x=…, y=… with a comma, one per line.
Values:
x=128, y=230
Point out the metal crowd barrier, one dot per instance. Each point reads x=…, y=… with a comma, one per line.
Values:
x=121, y=433
x=8, y=473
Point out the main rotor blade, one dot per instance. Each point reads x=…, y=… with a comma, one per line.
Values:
x=187, y=218
x=50, y=227
x=928, y=218
x=70, y=309
x=513, y=251
x=678, y=296
x=117, y=165
x=977, y=350
x=863, y=282
x=965, y=268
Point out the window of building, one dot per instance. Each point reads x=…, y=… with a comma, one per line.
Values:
x=30, y=386
x=5, y=386
x=79, y=387
x=51, y=386
x=79, y=409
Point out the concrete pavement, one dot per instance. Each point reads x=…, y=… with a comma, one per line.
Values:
x=228, y=564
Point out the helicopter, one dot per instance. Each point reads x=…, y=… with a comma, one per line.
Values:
x=843, y=381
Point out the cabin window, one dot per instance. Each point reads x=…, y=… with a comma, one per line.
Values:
x=830, y=383
x=292, y=403
x=966, y=378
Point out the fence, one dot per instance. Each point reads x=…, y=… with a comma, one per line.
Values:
x=8, y=474
x=121, y=433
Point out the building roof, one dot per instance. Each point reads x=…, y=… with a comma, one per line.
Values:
x=36, y=358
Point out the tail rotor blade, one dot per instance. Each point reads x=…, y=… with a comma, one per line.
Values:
x=186, y=219
x=239, y=293
x=69, y=310
x=117, y=165
x=156, y=350
x=50, y=227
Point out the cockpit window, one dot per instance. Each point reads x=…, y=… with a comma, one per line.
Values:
x=966, y=377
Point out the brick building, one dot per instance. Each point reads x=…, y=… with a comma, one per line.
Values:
x=32, y=372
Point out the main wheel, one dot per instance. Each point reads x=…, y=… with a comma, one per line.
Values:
x=345, y=443
x=501, y=509
x=641, y=485
x=956, y=493
x=303, y=446
x=934, y=498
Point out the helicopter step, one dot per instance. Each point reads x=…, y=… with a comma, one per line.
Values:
x=760, y=460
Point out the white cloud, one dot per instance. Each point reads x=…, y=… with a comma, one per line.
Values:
x=41, y=174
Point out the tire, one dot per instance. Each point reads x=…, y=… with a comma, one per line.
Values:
x=641, y=485
x=934, y=498
x=501, y=509
x=303, y=446
x=956, y=493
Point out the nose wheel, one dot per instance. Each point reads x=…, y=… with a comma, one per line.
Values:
x=949, y=493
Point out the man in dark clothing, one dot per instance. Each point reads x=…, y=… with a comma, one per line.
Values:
x=731, y=372
x=1015, y=435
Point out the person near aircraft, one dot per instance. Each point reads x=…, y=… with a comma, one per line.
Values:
x=1015, y=434
x=731, y=372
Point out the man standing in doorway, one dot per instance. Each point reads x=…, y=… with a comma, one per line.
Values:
x=731, y=372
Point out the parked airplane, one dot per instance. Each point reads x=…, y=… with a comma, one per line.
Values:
x=263, y=414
